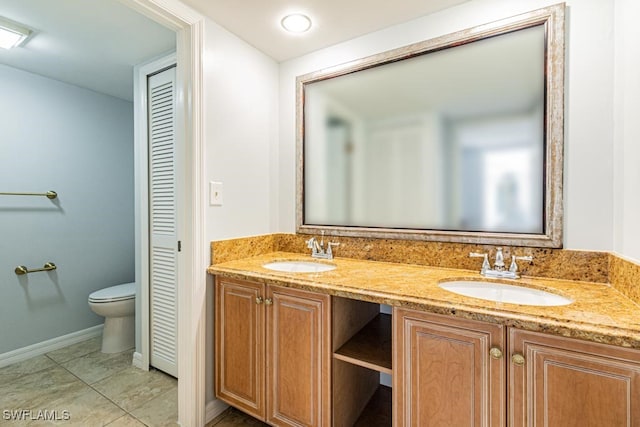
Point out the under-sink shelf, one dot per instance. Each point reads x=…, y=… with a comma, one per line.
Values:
x=378, y=411
x=371, y=346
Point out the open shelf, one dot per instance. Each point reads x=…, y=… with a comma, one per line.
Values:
x=371, y=346
x=378, y=411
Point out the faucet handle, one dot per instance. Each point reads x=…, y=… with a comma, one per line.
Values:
x=485, y=263
x=329, y=250
x=310, y=242
x=514, y=267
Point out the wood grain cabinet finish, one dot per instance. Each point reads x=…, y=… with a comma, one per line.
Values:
x=239, y=345
x=273, y=352
x=565, y=382
x=298, y=358
x=444, y=373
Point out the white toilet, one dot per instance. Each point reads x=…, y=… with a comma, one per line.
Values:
x=118, y=305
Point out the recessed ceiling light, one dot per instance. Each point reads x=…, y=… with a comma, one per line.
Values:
x=12, y=34
x=296, y=23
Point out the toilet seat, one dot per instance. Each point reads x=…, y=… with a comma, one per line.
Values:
x=114, y=293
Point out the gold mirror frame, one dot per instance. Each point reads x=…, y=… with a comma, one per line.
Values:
x=552, y=18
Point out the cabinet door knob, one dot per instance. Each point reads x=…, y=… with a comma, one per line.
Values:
x=259, y=300
x=495, y=352
x=268, y=301
x=518, y=359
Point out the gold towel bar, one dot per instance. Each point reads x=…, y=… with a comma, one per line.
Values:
x=49, y=194
x=21, y=269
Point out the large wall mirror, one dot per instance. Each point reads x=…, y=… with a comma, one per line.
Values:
x=454, y=139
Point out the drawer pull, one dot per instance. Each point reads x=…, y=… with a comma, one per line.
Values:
x=259, y=300
x=495, y=352
x=518, y=359
x=268, y=301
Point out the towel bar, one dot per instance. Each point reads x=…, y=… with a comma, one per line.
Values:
x=21, y=269
x=49, y=194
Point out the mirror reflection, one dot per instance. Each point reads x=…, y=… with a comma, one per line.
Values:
x=449, y=140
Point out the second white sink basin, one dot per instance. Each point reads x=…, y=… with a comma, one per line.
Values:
x=299, y=266
x=499, y=292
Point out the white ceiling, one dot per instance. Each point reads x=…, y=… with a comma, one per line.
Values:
x=89, y=43
x=334, y=21
x=95, y=43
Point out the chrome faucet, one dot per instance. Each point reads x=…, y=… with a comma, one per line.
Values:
x=498, y=270
x=318, y=250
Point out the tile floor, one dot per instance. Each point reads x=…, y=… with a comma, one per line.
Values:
x=80, y=386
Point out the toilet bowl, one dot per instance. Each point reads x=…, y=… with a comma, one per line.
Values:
x=118, y=305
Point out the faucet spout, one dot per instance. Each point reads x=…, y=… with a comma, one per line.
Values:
x=499, y=264
x=318, y=250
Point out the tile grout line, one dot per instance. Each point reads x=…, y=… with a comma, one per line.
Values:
x=76, y=378
x=97, y=391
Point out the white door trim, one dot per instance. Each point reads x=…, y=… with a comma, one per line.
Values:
x=189, y=27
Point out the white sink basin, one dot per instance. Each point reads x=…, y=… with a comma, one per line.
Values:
x=500, y=292
x=299, y=266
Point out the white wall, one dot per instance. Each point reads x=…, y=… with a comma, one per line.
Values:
x=627, y=129
x=588, y=107
x=79, y=143
x=241, y=101
x=241, y=116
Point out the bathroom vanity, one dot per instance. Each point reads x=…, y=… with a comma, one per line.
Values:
x=380, y=163
x=306, y=349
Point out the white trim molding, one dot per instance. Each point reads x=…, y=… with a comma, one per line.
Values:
x=189, y=27
x=138, y=361
x=214, y=409
x=47, y=346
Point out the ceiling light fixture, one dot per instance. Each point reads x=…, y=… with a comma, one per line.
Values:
x=12, y=34
x=296, y=23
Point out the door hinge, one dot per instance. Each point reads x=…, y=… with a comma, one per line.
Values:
x=179, y=246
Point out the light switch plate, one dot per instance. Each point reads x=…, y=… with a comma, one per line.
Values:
x=215, y=193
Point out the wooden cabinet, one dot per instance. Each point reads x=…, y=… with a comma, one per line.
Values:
x=239, y=345
x=447, y=371
x=298, y=358
x=562, y=382
x=273, y=352
x=274, y=348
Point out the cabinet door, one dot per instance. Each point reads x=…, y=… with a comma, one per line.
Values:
x=239, y=345
x=298, y=358
x=444, y=374
x=563, y=382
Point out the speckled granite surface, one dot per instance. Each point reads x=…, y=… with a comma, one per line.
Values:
x=624, y=275
x=605, y=287
x=232, y=249
x=554, y=263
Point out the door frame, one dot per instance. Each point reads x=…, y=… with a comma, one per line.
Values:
x=193, y=260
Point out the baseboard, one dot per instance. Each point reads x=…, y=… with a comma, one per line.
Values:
x=137, y=361
x=43, y=347
x=213, y=409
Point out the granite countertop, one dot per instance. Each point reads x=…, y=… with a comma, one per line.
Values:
x=599, y=312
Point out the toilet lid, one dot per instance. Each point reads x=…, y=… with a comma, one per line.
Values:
x=114, y=293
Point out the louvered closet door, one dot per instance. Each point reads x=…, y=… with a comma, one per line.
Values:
x=163, y=293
